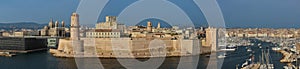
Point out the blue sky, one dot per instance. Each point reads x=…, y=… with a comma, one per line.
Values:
x=237, y=13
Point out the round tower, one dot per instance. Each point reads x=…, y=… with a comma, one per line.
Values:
x=75, y=26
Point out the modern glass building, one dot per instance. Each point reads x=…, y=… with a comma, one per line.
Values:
x=23, y=44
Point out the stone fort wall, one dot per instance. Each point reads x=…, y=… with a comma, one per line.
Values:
x=126, y=47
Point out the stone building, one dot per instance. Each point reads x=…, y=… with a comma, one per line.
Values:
x=110, y=23
x=110, y=26
x=54, y=29
x=103, y=33
x=298, y=47
x=73, y=45
x=149, y=26
x=25, y=33
x=7, y=34
x=105, y=39
x=211, y=38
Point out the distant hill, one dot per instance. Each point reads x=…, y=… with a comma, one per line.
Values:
x=22, y=25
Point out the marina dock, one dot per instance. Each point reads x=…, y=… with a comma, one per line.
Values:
x=287, y=57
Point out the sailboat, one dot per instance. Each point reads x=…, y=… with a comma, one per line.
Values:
x=265, y=59
x=264, y=62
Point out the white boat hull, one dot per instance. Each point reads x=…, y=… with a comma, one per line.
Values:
x=227, y=49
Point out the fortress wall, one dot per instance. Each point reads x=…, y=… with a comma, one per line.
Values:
x=65, y=46
x=134, y=45
x=125, y=46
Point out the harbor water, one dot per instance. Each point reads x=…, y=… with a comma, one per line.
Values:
x=44, y=60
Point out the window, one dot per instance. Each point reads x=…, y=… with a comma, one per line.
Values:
x=52, y=40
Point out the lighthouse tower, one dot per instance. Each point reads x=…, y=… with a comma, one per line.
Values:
x=149, y=26
x=75, y=27
x=77, y=44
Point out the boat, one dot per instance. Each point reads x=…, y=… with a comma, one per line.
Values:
x=245, y=64
x=207, y=55
x=264, y=62
x=222, y=45
x=222, y=56
x=287, y=67
x=268, y=40
x=6, y=54
x=228, y=49
x=249, y=50
x=231, y=46
x=276, y=48
x=251, y=44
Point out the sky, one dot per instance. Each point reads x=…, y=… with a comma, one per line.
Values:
x=237, y=13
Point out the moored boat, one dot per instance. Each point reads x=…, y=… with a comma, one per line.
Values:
x=276, y=48
x=249, y=50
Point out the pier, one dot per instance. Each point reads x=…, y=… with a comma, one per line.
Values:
x=11, y=53
x=287, y=57
x=24, y=51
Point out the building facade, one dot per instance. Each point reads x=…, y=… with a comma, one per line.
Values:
x=212, y=38
x=110, y=23
x=103, y=33
x=22, y=44
x=54, y=29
